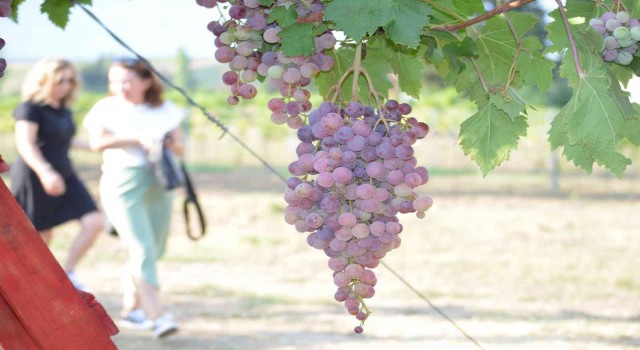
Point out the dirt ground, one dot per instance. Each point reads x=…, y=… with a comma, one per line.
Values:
x=514, y=265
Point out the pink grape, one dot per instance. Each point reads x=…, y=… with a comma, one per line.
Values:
x=271, y=35
x=276, y=104
x=279, y=117
x=422, y=203
x=624, y=58
x=291, y=75
x=248, y=91
x=207, y=3
x=309, y=70
x=301, y=95
x=610, y=55
x=230, y=77
x=608, y=15
x=238, y=63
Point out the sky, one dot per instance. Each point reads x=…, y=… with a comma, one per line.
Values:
x=154, y=28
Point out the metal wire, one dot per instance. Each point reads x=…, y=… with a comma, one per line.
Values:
x=226, y=131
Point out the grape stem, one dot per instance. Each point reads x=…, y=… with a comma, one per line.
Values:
x=364, y=305
x=572, y=42
x=480, y=76
x=222, y=17
x=357, y=69
x=496, y=11
x=512, y=70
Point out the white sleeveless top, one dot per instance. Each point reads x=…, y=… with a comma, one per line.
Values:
x=127, y=120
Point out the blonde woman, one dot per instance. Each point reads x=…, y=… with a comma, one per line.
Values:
x=43, y=179
x=125, y=126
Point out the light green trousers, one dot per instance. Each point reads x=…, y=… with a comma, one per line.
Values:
x=140, y=210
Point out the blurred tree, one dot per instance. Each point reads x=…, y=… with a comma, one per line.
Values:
x=94, y=75
x=184, y=77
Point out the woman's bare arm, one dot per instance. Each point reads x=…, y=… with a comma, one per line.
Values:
x=26, y=133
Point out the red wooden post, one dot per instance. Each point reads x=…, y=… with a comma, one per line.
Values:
x=39, y=307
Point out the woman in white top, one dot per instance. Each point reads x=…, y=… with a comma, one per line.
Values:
x=125, y=127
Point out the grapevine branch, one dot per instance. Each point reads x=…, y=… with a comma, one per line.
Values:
x=574, y=49
x=498, y=10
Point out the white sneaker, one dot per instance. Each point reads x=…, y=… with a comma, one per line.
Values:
x=74, y=280
x=164, y=326
x=135, y=319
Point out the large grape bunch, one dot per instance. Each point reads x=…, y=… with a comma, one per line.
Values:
x=240, y=43
x=354, y=173
x=621, y=34
x=5, y=11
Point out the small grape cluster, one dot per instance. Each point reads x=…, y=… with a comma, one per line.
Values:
x=241, y=43
x=621, y=34
x=5, y=11
x=354, y=173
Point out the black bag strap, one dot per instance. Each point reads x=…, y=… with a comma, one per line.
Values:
x=192, y=199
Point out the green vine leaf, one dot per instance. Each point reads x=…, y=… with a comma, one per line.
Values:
x=489, y=136
x=402, y=20
x=535, y=68
x=496, y=46
x=634, y=8
x=298, y=40
x=284, y=16
x=589, y=45
x=14, y=9
x=356, y=18
x=595, y=120
x=469, y=7
x=407, y=65
x=409, y=68
x=58, y=10
x=513, y=106
x=407, y=19
x=583, y=8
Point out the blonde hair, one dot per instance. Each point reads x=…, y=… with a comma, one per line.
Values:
x=43, y=76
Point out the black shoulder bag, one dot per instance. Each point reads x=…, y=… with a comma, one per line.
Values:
x=173, y=174
x=192, y=199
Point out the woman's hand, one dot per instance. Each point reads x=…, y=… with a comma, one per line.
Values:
x=152, y=146
x=175, y=141
x=52, y=183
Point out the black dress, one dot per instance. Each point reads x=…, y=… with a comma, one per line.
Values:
x=55, y=131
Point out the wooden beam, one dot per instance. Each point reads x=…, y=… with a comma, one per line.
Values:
x=36, y=290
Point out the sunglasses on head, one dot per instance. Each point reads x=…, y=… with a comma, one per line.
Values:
x=128, y=61
x=65, y=80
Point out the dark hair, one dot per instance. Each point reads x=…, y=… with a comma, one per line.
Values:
x=153, y=95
